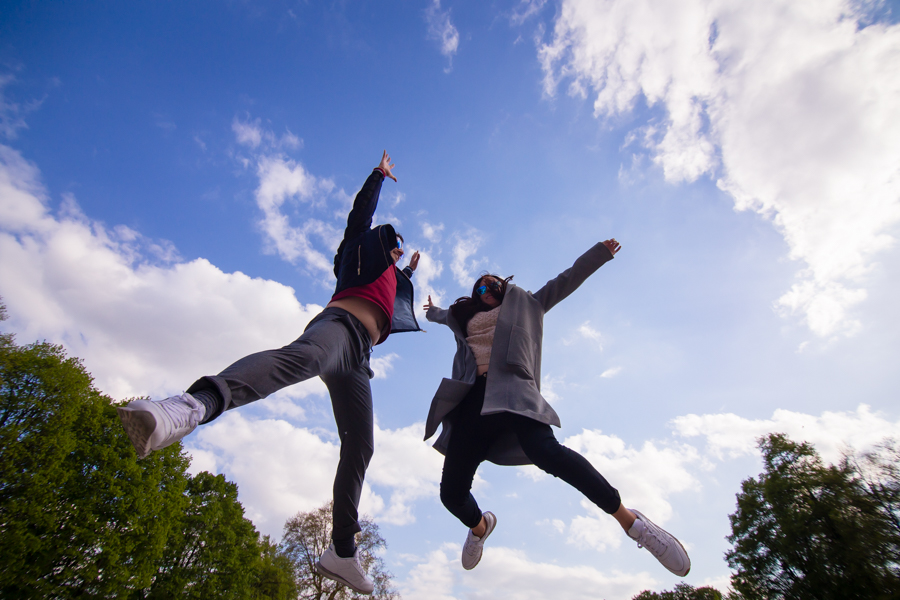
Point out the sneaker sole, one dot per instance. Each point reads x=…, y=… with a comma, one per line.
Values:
x=139, y=425
x=334, y=576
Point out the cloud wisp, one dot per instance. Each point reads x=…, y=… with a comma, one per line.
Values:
x=284, y=184
x=442, y=31
x=790, y=106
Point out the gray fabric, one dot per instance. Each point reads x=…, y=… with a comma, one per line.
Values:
x=514, y=378
x=335, y=346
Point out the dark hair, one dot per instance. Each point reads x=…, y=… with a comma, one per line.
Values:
x=468, y=306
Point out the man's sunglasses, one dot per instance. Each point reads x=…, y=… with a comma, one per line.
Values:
x=494, y=286
x=400, y=243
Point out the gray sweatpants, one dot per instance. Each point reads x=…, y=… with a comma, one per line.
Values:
x=335, y=346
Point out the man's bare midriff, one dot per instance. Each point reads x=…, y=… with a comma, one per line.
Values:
x=368, y=313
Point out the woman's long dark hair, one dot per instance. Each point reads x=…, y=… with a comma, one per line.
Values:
x=468, y=306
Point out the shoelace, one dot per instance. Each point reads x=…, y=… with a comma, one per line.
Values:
x=183, y=412
x=472, y=548
x=652, y=541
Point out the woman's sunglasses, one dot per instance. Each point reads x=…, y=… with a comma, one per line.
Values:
x=494, y=286
x=400, y=243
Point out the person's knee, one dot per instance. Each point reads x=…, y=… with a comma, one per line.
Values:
x=357, y=448
x=452, y=498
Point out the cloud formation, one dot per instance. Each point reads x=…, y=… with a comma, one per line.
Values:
x=284, y=184
x=730, y=436
x=465, y=246
x=790, y=106
x=282, y=469
x=510, y=573
x=441, y=30
x=127, y=305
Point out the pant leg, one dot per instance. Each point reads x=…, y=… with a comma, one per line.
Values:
x=545, y=451
x=351, y=399
x=466, y=450
x=329, y=343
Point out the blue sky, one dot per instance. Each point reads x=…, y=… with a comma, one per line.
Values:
x=174, y=179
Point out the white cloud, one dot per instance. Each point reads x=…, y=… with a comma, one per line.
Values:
x=431, y=232
x=463, y=269
x=126, y=305
x=646, y=478
x=427, y=272
x=525, y=10
x=611, y=372
x=252, y=135
x=383, y=365
x=12, y=114
x=729, y=435
x=790, y=105
x=282, y=469
x=433, y=577
x=409, y=467
x=508, y=573
x=549, y=385
x=586, y=331
x=441, y=30
x=280, y=180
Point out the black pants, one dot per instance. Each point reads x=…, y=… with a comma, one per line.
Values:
x=335, y=346
x=472, y=436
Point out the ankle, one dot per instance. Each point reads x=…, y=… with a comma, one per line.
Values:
x=479, y=529
x=345, y=548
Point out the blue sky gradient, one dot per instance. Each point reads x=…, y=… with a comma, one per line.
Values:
x=172, y=176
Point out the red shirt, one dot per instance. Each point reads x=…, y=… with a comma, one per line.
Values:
x=382, y=292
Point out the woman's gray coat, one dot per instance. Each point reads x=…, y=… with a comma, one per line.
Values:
x=514, y=380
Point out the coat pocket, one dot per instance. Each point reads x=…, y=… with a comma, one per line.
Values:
x=522, y=352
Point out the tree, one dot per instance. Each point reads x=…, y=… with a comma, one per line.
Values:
x=682, y=591
x=80, y=516
x=809, y=530
x=308, y=534
x=216, y=552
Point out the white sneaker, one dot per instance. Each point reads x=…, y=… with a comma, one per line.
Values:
x=661, y=544
x=345, y=570
x=155, y=425
x=474, y=545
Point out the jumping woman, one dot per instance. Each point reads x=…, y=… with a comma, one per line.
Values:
x=492, y=408
x=372, y=299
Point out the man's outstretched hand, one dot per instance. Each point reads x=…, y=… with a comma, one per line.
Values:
x=386, y=166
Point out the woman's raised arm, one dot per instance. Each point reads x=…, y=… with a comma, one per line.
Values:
x=568, y=281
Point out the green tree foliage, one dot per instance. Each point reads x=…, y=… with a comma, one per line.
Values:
x=80, y=516
x=216, y=552
x=308, y=534
x=682, y=591
x=804, y=529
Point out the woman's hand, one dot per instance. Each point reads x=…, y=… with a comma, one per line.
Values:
x=613, y=246
x=386, y=166
x=414, y=261
x=430, y=304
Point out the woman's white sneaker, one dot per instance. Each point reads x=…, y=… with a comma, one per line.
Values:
x=345, y=570
x=661, y=544
x=154, y=425
x=474, y=546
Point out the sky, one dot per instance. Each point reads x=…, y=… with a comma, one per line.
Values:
x=175, y=179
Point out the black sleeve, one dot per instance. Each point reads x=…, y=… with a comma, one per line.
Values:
x=360, y=218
